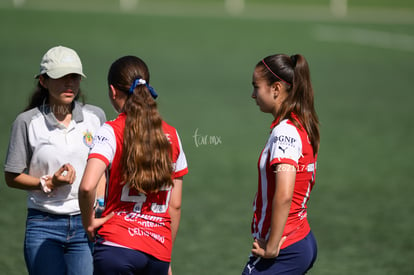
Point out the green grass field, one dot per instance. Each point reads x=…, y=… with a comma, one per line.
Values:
x=201, y=60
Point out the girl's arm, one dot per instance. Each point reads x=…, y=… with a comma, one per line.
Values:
x=93, y=174
x=285, y=183
x=175, y=206
x=22, y=181
x=101, y=188
x=175, y=210
x=66, y=174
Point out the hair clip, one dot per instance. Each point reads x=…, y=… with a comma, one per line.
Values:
x=140, y=81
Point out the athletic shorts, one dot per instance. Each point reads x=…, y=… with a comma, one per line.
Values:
x=295, y=259
x=118, y=260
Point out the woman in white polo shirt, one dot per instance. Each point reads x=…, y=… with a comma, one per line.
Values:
x=47, y=153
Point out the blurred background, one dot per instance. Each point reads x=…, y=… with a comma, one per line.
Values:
x=201, y=56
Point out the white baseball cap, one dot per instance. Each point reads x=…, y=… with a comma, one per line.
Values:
x=60, y=61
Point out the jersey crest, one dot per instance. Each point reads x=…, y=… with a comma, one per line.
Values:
x=87, y=138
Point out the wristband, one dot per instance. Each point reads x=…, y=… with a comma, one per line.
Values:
x=43, y=185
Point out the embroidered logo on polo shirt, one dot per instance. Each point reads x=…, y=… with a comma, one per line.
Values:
x=87, y=138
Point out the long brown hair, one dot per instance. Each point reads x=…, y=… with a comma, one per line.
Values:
x=146, y=155
x=293, y=72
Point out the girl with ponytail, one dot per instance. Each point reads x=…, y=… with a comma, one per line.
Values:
x=145, y=164
x=283, y=242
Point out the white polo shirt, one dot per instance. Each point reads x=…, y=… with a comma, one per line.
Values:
x=40, y=145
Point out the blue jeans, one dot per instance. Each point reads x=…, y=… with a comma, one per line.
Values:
x=56, y=244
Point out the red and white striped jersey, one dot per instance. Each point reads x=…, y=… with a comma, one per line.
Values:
x=141, y=222
x=291, y=145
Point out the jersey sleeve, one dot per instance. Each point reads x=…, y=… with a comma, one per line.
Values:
x=286, y=145
x=104, y=145
x=180, y=167
x=18, y=153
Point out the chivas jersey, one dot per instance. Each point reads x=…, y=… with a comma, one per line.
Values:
x=290, y=145
x=141, y=222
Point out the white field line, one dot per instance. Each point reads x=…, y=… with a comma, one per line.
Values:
x=366, y=37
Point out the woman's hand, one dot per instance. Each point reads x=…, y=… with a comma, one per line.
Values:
x=65, y=175
x=260, y=249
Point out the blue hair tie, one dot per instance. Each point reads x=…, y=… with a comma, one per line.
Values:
x=140, y=81
x=152, y=91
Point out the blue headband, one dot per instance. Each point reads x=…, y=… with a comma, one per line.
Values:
x=140, y=81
